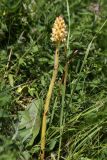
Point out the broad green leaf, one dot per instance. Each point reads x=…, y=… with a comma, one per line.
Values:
x=30, y=121
x=52, y=144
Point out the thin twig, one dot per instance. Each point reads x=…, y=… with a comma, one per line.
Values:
x=9, y=58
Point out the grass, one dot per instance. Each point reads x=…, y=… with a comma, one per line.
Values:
x=76, y=121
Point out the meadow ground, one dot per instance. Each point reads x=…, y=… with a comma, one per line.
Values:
x=77, y=116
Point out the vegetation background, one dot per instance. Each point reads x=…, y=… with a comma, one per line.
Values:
x=77, y=120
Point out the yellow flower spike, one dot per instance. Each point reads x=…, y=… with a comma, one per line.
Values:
x=59, y=32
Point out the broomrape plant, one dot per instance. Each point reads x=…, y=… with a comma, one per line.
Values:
x=58, y=36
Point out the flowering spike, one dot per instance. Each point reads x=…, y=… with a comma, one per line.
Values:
x=59, y=32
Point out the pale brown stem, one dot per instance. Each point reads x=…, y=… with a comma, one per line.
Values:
x=46, y=105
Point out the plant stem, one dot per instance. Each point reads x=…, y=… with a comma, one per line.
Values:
x=47, y=102
x=62, y=108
